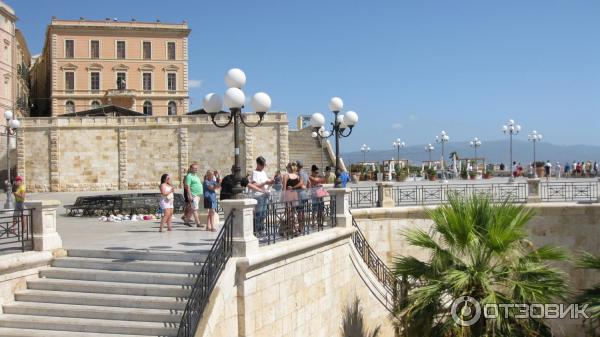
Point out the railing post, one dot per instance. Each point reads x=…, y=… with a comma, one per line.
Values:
x=342, y=206
x=244, y=241
x=533, y=190
x=385, y=197
x=43, y=215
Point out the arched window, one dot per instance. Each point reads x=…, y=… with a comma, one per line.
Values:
x=172, y=108
x=148, y=108
x=69, y=107
x=95, y=104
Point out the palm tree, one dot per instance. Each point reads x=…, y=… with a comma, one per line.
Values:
x=452, y=154
x=480, y=250
x=353, y=322
x=590, y=296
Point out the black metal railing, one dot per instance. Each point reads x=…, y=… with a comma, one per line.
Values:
x=207, y=278
x=364, y=197
x=569, y=191
x=395, y=287
x=283, y=216
x=16, y=230
x=427, y=194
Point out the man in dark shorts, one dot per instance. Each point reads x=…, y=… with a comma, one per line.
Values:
x=227, y=185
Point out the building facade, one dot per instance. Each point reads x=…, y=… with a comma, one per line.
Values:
x=87, y=64
x=7, y=59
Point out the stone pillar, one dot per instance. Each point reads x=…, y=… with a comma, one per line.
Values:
x=533, y=190
x=384, y=193
x=284, y=147
x=54, y=157
x=43, y=214
x=122, y=148
x=244, y=241
x=21, y=154
x=342, y=206
x=183, y=153
x=598, y=190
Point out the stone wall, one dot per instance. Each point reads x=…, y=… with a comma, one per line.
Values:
x=294, y=288
x=574, y=227
x=121, y=153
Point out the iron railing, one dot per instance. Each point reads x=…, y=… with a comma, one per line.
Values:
x=283, y=216
x=16, y=230
x=364, y=197
x=207, y=278
x=569, y=191
x=427, y=194
x=395, y=287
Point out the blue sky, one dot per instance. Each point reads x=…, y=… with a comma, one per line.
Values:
x=409, y=68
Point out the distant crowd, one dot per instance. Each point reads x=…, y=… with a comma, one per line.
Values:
x=582, y=169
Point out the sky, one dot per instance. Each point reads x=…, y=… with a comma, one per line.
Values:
x=410, y=69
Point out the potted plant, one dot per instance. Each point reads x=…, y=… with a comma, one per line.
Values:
x=431, y=173
x=401, y=174
x=463, y=173
x=472, y=175
x=539, y=168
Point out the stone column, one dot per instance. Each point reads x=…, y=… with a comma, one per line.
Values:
x=43, y=215
x=21, y=154
x=244, y=241
x=533, y=190
x=385, y=198
x=183, y=153
x=284, y=148
x=122, y=148
x=54, y=157
x=342, y=206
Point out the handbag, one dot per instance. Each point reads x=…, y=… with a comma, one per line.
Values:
x=321, y=193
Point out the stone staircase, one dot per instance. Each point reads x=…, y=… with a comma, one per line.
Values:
x=101, y=293
x=307, y=149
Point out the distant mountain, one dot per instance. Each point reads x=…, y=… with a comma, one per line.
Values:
x=493, y=151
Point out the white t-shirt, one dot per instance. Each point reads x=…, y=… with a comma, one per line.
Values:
x=259, y=177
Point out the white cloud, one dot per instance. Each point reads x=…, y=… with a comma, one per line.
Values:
x=412, y=117
x=195, y=83
x=397, y=126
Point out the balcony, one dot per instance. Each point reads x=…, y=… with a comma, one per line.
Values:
x=120, y=93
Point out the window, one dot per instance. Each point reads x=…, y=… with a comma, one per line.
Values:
x=120, y=49
x=69, y=80
x=69, y=107
x=69, y=49
x=95, y=104
x=121, y=84
x=171, y=50
x=95, y=49
x=147, y=48
x=147, y=81
x=95, y=81
x=171, y=81
x=172, y=108
x=147, y=108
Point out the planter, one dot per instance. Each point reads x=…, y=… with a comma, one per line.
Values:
x=379, y=176
x=400, y=178
x=432, y=178
x=355, y=178
x=540, y=171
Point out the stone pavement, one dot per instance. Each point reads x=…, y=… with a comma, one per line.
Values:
x=89, y=233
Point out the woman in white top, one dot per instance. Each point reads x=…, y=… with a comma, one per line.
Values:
x=166, y=201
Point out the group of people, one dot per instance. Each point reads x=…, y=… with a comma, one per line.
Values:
x=575, y=169
x=292, y=185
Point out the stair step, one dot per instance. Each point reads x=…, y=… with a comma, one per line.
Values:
x=109, y=300
x=88, y=325
x=110, y=287
x=128, y=265
x=94, y=312
x=118, y=276
x=13, y=332
x=139, y=255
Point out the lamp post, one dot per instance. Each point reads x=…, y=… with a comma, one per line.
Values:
x=320, y=134
x=398, y=144
x=364, y=149
x=429, y=148
x=475, y=143
x=12, y=124
x=234, y=99
x=340, y=124
x=534, y=137
x=443, y=138
x=511, y=128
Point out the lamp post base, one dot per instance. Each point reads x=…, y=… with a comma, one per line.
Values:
x=9, y=203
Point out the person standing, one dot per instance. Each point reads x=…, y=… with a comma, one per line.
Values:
x=259, y=184
x=547, y=168
x=329, y=176
x=302, y=195
x=19, y=195
x=210, y=199
x=166, y=201
x=345, y=178
x=193, y=188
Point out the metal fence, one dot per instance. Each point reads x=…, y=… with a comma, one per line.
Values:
x=292, y=213
x=427, y=194
x=16, y=230
x=207, y=278
x=364, y=197
x=569, y=191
